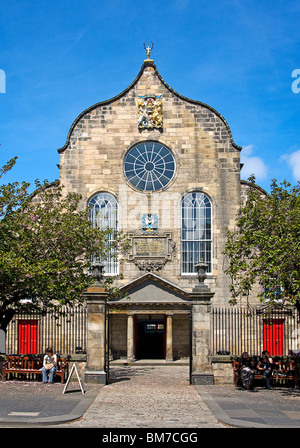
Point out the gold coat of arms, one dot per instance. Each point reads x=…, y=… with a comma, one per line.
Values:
x=150, y=112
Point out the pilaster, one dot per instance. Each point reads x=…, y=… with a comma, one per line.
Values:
x=201, y=366
x=96, y=335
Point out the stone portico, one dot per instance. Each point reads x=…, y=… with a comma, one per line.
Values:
x=154, y=319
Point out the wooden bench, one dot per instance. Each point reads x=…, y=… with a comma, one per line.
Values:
x=282, y=373
x=16, y=364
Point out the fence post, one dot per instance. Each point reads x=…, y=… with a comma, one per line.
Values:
x=201, y=368
x=96, y=335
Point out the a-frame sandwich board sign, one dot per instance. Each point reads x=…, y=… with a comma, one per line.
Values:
x=74, y=367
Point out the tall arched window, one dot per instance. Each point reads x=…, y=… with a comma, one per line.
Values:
x=196, y=232
x=104, y=214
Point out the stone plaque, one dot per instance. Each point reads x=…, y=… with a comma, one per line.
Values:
x=150, y=246
x=151, y=252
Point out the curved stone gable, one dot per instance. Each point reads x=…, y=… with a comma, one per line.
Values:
x=210, y=119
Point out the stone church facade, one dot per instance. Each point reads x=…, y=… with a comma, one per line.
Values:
x=163, y=169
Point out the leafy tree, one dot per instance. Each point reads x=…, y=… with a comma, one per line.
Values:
x=46, y=247
x=265, y=246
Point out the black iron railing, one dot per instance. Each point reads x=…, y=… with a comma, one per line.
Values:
x=32, y=333
x=233, y=331
x=237, y=330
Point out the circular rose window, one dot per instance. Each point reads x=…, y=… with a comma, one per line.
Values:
x=149, y=166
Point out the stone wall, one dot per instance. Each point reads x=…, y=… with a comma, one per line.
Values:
x=222, y=369
x=118, y=336
x=181, y=338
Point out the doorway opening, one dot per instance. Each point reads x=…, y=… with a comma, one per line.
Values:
x=150, y=338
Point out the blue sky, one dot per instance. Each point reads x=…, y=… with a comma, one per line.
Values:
x=238, y=56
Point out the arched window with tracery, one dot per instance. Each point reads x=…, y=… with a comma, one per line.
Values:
x=196, y=232
x=104, y=214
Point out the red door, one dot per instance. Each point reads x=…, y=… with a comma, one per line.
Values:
x=274, y=336
x=28, y=336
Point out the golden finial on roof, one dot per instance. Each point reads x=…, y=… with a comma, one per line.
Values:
x=148, y=51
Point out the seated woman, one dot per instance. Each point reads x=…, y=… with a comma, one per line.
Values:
x=265, y=367
x=246, y=371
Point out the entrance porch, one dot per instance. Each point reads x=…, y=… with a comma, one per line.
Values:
x=153, y=319
x=150, y=334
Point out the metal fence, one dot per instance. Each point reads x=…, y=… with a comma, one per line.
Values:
x=32, y=333
x=233, y=331
x=238, y=330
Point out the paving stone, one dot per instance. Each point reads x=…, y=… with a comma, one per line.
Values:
x=149, y=397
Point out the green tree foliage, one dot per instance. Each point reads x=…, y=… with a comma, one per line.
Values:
x=264, y=247
x=46, y=247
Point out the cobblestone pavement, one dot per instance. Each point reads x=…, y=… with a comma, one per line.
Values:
x=148, y=397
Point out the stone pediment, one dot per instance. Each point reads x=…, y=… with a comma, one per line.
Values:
x=150, y=288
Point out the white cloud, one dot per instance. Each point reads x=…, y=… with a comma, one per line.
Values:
x=252, y=164
x=293, y=160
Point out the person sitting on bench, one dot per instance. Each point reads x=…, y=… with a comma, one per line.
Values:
x=49, y=366
x=246, y=371
x=265, y=367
